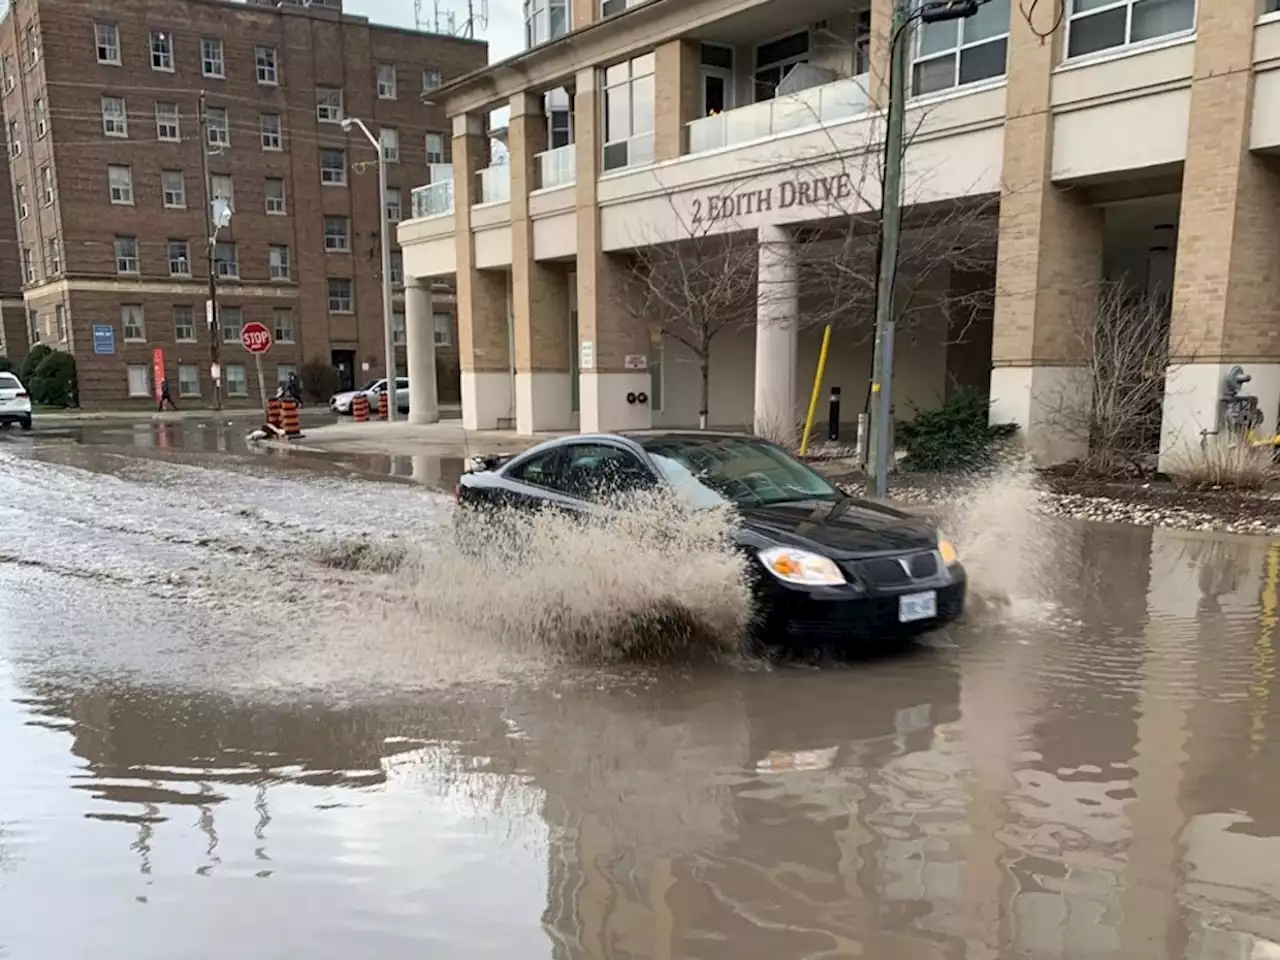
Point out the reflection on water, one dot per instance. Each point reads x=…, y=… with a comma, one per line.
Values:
x=1098, y=784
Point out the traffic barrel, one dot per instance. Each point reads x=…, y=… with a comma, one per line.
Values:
x=274, y=412
x=360, y=408
x=382, y=406
x=289, y=419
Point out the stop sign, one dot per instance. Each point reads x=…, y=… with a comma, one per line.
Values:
x=255, y=337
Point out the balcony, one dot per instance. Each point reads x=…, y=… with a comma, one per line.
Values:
x=557, y=168
x=493, y=184
x=433, y=200
x=816, y=106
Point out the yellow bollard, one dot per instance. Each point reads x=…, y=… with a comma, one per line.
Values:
x=817, y=390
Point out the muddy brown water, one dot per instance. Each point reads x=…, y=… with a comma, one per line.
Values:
x=212, y=747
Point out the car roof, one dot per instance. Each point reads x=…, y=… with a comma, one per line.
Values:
x=649, y=436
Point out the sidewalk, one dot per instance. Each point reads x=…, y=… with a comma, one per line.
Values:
x=143, y=416
x=444, y=439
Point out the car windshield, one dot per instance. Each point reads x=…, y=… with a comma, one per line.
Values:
x=9, y=382
x=372, y=384
x=741, y=470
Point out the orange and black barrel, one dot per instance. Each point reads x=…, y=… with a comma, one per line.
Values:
x=383, y=406
x=360, y=408
x=274, y=413
x=289, y=419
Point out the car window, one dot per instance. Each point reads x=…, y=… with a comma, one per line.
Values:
x=402, y=383
x=742, y=470
x=594, y=471
x=537, y=471
x=372, y=385
x=9, y=382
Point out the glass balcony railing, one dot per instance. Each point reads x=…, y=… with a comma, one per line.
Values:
x=816, y=106
x=493, y=184
x=433, y=199
x=557, y=168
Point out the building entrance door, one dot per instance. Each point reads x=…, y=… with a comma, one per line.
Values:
x=345, y=362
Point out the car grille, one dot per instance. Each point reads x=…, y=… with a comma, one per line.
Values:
x=895, y=571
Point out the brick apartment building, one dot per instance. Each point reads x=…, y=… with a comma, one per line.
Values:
x=102, y=112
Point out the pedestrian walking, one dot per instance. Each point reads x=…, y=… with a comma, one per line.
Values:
x=294, y=388
x=165, y=396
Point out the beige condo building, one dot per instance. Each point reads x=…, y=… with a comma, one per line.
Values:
x=1126, y=140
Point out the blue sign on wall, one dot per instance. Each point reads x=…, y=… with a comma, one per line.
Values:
x=104, y=338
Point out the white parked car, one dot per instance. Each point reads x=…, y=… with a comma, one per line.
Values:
x=15, y=402
x=341, y=402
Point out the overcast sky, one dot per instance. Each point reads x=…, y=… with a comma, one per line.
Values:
x=505, y=31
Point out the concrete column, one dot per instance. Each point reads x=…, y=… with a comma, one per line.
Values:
x=1226, y=298
x=420, y=347
x=677, y=72
x=1050, y=256
x=610, y=339
x=484, y=352
x=777, y=314
x=540, y=292
x=881, y=32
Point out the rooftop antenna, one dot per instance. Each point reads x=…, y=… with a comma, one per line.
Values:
x=474, y=17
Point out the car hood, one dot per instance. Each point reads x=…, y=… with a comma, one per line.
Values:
x=346, y=395
x=839, y=528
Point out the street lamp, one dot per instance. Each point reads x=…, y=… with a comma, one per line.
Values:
x=388, y=332
x=926, y=11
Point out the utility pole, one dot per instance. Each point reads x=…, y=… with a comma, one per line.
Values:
x=929, y=11
x=211, y=240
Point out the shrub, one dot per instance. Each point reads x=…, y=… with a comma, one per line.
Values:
x=320, y=380
x=954, y=436
x=54, y=383
x=1222, y=463
x=6, y=365
x=33, y=360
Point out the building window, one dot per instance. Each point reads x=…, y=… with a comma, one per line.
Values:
x=115, y=119
x=139, y=380
x=328, y=104
x=222, y=187
x=390, y=139
x=278, y=260
x=120, y=183
x=284, y=371
x=237, y=383
x=54, y=247
x=435, y=148
x=232, y=322
x=397, y=268
x=430, y=79
x=212, y=58
x=339, y=295
x=31, y=41
x=271, y=139
x=217, y=127
x=15, y=139
x=10, y=81
x=386, y=81
x=133, y=322
x=225, y=262
x=393, y=204
x=20, y=200
x=628, y=113
x=188, y=379
x=266, y=60
x=184, y=324
x=275, y=196
x=337, y=234
x=179, y=258
x=958, y=52
x=167, y=123
x=127, y=255
x=283, y=325
x=775, y=59
x=60, y=322
x=107, y=36
x=161, y=51
x=545, y=20
x=559, y=119
x=397, y=328
x=42, y=118
x=442, y=328
x=33, y=326
x=333, y=166
x=46, y=185
x=173, y=183
x=1096, y=25
x=28, y=265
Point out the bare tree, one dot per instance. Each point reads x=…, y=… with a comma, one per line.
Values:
x=1109, y=406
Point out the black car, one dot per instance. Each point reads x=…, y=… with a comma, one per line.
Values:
x=829, y=569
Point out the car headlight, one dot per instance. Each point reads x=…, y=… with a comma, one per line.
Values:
x=800, y=566
x=947, y=550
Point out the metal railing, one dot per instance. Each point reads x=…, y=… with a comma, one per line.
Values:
x=557, y=168
x=493, y=184
x=816, y=106
x=433, y=200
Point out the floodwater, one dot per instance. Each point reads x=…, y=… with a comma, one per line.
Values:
x=214, y=745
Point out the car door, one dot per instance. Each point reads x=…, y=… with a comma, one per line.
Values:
x=402, y=393
x=530, y=481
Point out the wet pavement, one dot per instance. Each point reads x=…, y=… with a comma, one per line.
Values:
x=213, y=745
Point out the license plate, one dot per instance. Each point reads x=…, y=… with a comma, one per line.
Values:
x=917, y=606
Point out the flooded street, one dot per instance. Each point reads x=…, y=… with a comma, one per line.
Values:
x=224, y=732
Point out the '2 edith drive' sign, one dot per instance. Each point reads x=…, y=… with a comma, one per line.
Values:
x=779, y=196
